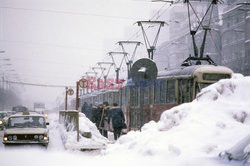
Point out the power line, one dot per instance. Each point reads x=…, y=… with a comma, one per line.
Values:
x=36, y=84
x=158, y=16
x=136, y=34
x=49, y=45
x=67, y=12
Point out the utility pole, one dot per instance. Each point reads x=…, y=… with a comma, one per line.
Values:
x=150, y=46
x=129, y=59
x=105, y=66
x=117, y=65
x=66, y=98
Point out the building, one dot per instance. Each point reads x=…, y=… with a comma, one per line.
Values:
x=172, y=53
x=235, y=36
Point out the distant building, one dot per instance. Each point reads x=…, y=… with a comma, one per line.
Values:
x=172, y=53
x=235, y=36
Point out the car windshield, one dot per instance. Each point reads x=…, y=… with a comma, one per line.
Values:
x=26, y=122
x=2, y=115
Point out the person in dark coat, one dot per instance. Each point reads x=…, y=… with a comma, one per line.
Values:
x=97, y=115
x=104, y=124
x=118, y=120
x=84, y=107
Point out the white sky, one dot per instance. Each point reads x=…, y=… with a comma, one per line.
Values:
x=55, y=41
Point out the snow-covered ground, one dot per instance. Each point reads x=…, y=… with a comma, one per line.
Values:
x=190, y=134
x=97, y=141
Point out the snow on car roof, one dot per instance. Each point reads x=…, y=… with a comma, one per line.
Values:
x=26, y=114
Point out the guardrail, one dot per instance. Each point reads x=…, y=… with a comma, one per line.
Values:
x=70, y=120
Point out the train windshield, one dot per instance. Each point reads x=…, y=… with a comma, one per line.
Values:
x=215, y=76
x=200, y=86
x=204, y=85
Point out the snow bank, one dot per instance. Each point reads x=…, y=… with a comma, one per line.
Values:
x=213, y=122
x=96, y=141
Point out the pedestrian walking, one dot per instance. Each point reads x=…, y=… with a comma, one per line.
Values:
x=118, y=120
x=104, y=124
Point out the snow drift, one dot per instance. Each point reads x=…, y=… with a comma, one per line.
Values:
x=213, y=122
x=97, y=141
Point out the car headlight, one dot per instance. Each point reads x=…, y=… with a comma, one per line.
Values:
x=36, y=136
x=10, y=138
x=14, y=137
x=40, y=137
x=45, y=138
x=1, y=122
x=5, y=138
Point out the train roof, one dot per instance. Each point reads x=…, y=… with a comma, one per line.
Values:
x=101, y=91
x=190, y=70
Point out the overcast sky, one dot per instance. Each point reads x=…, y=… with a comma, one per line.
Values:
x=56, y=41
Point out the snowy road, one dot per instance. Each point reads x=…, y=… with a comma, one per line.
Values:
x=191, y=134
x=56, y=154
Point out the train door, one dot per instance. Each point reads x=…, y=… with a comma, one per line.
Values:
x=185, y=90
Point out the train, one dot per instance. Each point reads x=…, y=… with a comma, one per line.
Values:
x=147, y=93
x=143, y=101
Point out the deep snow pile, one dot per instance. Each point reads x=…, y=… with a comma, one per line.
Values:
x=212, y=123
x=85, y=126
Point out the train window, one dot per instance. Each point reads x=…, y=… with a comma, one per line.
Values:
x=141, y=98
x=110, y=98
x=94, y=99
x=163, y=92
x=170, y=91
x=134, y=96
x=185, y=90
x=215, y=76
x=157, y=91
x=127, y=96
x=105, y=97
x=123, y=91
x=146, y=95
x=203, y=85
x=100, y=98
x=116, y=97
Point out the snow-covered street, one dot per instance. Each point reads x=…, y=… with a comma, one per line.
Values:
x=190, y=134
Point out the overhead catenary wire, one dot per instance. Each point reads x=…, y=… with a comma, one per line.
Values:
x=38, y=85
x=136, y=34
x=67, y=12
